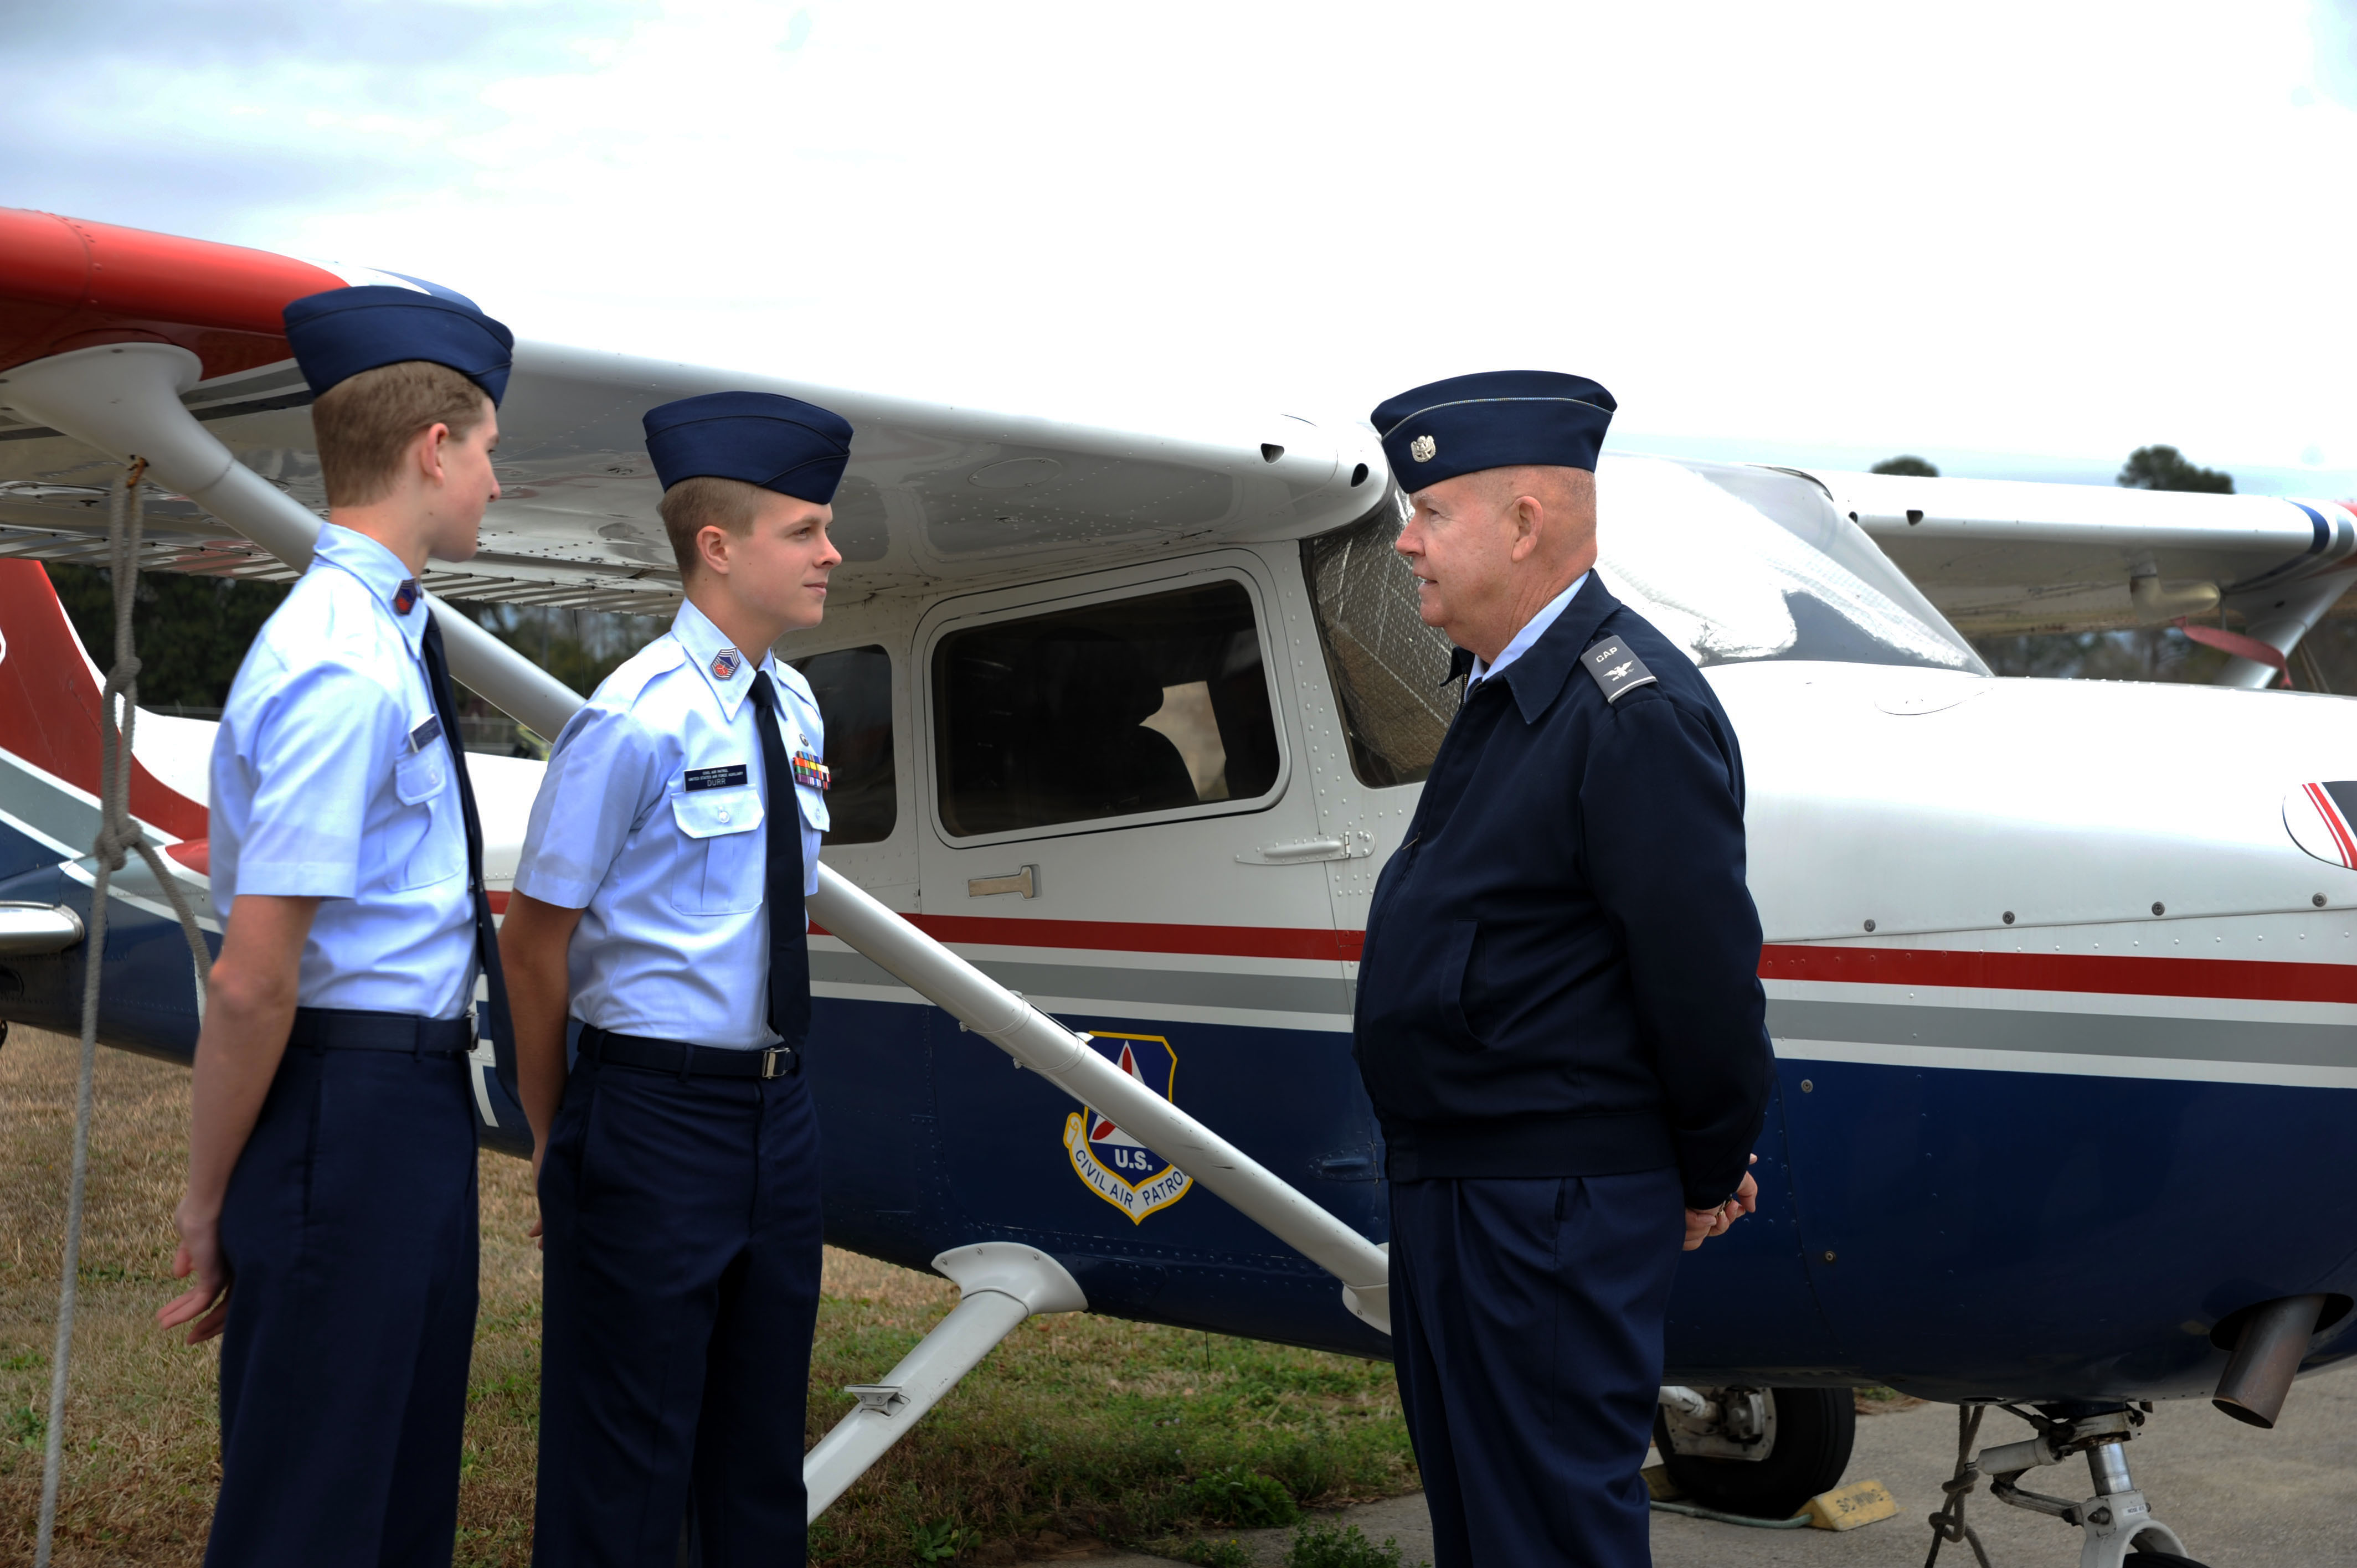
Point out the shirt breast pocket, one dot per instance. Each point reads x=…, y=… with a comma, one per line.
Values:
x=437, y=846
x=720, y=867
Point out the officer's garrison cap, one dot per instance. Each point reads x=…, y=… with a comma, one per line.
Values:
x=1497, y=419
x=338, y=333
x=779, y=443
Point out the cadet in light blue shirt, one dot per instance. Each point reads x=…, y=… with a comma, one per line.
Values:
x=659, y=903
x=329, y=1219
x=332, y=779
x=674, y=939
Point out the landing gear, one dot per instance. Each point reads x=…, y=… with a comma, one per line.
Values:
x=1761, y=1452
x=2120, y=1531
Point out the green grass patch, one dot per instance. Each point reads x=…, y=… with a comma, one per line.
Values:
x=1085, y=1427
x=1326, y=1546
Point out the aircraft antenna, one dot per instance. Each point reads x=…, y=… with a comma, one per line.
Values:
x=118, y=835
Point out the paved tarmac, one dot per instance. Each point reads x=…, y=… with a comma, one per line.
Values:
x=2239, y=1497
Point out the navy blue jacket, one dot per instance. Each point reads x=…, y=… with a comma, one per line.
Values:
x=1561, y=966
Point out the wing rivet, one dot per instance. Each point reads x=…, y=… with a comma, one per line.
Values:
x=2317, y=900
x=1869, y=925
x=2159, y=908
x=2009, y=917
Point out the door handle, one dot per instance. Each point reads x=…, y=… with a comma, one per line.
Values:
x=1354, y=845
x=1026, y=882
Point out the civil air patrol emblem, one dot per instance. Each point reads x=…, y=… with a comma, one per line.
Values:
x=1116, y=1167
x=723, y=664
x=405, y=598
x=1424, y=448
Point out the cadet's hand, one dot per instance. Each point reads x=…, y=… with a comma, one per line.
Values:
x=539, y=1153
x=1702, y=1224
x=207, y=1299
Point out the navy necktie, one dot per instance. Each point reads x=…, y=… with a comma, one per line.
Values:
x=487, y=939
x=782, y=890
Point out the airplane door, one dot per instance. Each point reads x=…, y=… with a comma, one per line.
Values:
x=1106, y=765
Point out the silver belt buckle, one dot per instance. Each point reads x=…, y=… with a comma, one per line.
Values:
x=770, y=1059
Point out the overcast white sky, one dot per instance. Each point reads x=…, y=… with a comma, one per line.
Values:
x=2017, y=239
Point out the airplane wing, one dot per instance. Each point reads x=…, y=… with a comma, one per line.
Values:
x=1998, y=556
x=933, y=491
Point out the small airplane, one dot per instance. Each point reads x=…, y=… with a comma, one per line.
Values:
x=2062, y=976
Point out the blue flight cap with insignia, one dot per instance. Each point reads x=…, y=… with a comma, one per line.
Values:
x=779, y=443
x=1497, y=419
x=338, y=333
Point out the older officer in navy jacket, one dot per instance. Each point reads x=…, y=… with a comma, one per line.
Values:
x=1559, y=1012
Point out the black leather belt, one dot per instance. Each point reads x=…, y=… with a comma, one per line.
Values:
x=689, y=1060
x=351, y=1029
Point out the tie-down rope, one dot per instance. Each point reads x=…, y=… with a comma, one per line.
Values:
x=118, y=835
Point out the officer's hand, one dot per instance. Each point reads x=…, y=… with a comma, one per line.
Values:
x=1702, y=1224
x=207, y=1298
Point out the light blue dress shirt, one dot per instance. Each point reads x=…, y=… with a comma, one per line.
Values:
x=332, y=779
x=653, y=820
x=1523, y=640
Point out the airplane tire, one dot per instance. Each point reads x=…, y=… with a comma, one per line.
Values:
x=1815, y=1430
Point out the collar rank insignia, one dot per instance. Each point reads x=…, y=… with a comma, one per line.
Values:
x=405, y=598
x=809, y=772
x=1616, y=670
x=725, y=663
x=1424, y=448
x=1116, y=1167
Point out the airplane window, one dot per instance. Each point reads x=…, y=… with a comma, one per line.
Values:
x=1734, y=564
x=853, y=687
x=1390, y=669
x=1109, y=710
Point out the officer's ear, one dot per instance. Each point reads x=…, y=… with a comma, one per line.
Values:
x=1528, y=516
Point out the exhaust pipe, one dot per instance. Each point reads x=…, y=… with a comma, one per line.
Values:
x=2267, y=1352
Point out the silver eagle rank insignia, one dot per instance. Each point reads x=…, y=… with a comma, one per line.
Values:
x=1615, y=669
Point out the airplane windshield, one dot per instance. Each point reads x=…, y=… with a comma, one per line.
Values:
x=1734, y=564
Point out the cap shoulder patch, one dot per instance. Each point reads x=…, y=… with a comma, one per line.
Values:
x=1616, y=670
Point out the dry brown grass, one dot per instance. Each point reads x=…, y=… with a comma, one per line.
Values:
x=1077, y=1430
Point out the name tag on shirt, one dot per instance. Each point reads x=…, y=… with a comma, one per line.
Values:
x=426, y=734
x=729, y=778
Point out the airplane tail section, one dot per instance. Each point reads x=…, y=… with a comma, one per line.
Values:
x=51, y=710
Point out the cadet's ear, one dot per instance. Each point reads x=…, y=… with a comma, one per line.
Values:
x=712, y=549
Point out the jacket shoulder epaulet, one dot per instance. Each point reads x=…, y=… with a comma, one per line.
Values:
x=1615, y=668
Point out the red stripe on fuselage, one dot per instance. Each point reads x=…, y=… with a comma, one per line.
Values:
x=2093, y=973
x=2096, y=974
x=1124, y=936
x=68, y=283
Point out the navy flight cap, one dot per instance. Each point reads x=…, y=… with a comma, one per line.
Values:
x=1498, y=419
x=781, y=444
x=338, y=333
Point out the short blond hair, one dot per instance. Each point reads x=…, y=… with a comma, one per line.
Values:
x=364, y=423
x=702, y=502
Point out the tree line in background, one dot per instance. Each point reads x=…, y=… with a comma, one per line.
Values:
x=192, y=634
x=2148, y=468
